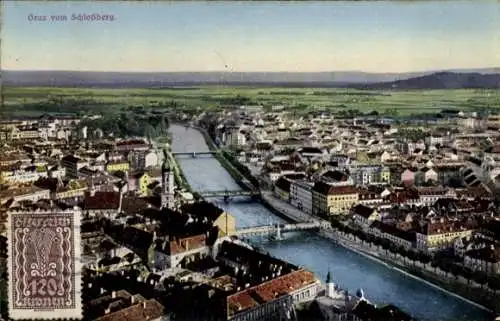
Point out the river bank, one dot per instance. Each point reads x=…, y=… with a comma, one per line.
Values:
x=426, y=274
x=319, y=254
x=440, y=280
x=471, y=293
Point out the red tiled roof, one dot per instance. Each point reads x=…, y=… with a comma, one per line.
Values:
x=240, y=301
x=473, y=192
x=270, y=290
x=432, y=191
x=402, y=196
x=326, y=189
x=102, y=201
x=131, y=142
x=186, y=244
x=445, y=227
x=147, y=310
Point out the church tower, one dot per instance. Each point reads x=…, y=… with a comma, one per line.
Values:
x=167, y=186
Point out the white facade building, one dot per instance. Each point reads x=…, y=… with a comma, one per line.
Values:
x=151, y=159
x=23, y=176
x=301, y=195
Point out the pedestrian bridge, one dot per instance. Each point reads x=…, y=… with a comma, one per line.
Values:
x=195, y=154
x=275, y=230
x=227, y=194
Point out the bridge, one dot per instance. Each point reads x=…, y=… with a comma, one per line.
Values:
x=276, y=230
x=195, y=154
x=227, y=194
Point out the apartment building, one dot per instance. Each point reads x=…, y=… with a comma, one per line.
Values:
x=333, y=200
x=301, y=195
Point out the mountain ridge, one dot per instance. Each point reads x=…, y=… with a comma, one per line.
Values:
x=355, y=79
x=440, y=80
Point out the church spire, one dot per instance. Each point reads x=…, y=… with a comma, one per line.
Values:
x=168, y=186
x=165, y=166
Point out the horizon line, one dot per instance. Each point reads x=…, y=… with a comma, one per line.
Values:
x=233, y=71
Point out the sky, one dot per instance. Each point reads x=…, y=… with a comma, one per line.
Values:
x=371, y=36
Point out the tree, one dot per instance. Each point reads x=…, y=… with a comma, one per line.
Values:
x=404, y=253
x=328, y=277
x=435, y=265
x=479, y=277
x=386, y=245
x=455, y=270
x=466, y=273
x=494, y=283
x=425, y=258
x=393, y=249
x=335, y=223
x=163, y=126
x=370, y=238
x=412, y=256
x=445, y=267
x=149, y=131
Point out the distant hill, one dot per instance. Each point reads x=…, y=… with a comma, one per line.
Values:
x=439, y=80
x=291, y=79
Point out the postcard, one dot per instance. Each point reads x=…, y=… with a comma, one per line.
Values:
x=250, y=160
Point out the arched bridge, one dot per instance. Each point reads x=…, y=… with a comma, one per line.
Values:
x=276, y=230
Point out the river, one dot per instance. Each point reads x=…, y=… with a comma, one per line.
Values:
x=351, y=271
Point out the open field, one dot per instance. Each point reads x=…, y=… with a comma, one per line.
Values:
x=35, y=100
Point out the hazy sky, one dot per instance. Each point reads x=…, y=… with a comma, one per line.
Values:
x=200, y=36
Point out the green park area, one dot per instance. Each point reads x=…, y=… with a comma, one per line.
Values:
x=28, y=101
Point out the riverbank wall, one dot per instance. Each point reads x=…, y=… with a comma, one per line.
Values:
x=230, y=165
x=180, y=178
x=416, y=270
x=472, y=294
x=469, y=292
x=226, y=164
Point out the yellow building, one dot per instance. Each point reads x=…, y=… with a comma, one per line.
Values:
x=385, y=175
x=226, y=224
x=117, y=166
x=209, y=212
x=28, y=133
x=74, y=188
x=4, y=173
x=437, y=235
x=333, y=200
x=11, y=158
x=143, y=182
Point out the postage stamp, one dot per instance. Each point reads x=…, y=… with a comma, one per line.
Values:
x=44, y=265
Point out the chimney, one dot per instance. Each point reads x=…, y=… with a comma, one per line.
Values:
x=113, y=295
x=132, y=300
x=144, y=305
